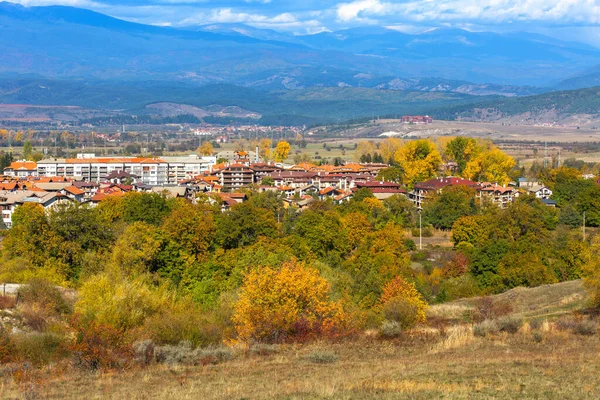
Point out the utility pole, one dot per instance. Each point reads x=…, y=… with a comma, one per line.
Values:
x=584, y=226
x=421, y=232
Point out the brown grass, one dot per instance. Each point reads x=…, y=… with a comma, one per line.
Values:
x=561, y=366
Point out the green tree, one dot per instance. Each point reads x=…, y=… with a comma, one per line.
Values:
x=454, y=202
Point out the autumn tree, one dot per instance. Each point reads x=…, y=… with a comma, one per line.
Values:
x=286, y=304
x=419, y=159
x=206, y=149
x=591, y=271
x=264, y=149
x=452, y=203
x=282, y=150
x=136, y=251
x=401, y=302
x=365, y=148
x=388, y=148
x=490, y=166
x=462, y=150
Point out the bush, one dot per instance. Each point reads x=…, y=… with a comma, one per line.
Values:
x=535, y=324
x=586, y=327
x=322, y=357
x=426, y=231
x=486, y=308
x=35, y=316
x=289, y=304
x=42, y=292
x=7, y=302
x=390, y=329
x=486, y=327
x=510, y=323
x=99, y=346
x=38, y=348
x=185, y=353
x=401, y=302
x=409, y=244
x=264, y=349
x=183, y=324
x=537, y=337
x=402, y=311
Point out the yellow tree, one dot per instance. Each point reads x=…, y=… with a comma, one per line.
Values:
x=492, y=165
x=420, y=160
x=402, y=303
x=206, y=149
x=290, y=303
x=364, y=148
x=264, y=149
x=591, y=270
x=389, y=147
x=282, y=150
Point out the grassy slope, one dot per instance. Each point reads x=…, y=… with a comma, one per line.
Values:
x=428, y=365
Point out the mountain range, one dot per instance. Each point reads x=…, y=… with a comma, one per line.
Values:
x=64, y=42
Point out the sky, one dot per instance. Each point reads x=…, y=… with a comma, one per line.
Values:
x=577, y=20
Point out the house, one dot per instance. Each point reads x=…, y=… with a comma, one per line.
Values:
x=74, y=193
x=540, y=191
x=549, y=202
x=499, y=195
x=9, y=201
x=122, y=177
x=236, y=176
x=21, y=169
x=424, y=190
x=381, y=190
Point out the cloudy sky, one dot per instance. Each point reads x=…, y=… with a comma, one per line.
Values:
x=568, y=19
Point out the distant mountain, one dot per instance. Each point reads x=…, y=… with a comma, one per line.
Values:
x=562, y=107
x=586, y=79
x=63, y=42
x=297, y=107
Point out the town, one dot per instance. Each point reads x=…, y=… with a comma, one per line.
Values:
x=91, y=179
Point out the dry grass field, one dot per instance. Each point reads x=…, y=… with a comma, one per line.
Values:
x=443, y=360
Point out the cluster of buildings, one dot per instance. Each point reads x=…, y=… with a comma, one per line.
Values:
x=417, y=119
x=91, y=179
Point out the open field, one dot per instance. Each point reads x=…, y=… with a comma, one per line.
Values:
x=442, y=360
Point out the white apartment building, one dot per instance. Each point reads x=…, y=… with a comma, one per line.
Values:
x=151, y=171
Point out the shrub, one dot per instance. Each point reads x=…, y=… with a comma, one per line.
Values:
x=402, y=311
x=38, y=348
x=486, y=327
x=586, y=327
x=6, y=346
x=185, y=353
x=99, y=346
x=537, y=337
x=262, y=349
x=390, y=329
x=401, y=302
x=7, y=302
x=510, y=323
x=35, y=316
x=486, y=308
x=42, y=292
x=185, y=322
x=286, y=305
x=322, y=357
x=409, y=244
x=144, y=352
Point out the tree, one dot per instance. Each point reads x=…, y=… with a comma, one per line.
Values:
x=391, y=174
x=454, y=202
x=264, y=149
x=401, y=302
x=462, y=150
x=388, y=148
x=206, y=149
x=243, y=224
x=591, y=271
x=282, y=150
x=136, y=250
x=491, y=166
x=288, y=304
x=27, y=150
x=419, y=159
x=364, y=149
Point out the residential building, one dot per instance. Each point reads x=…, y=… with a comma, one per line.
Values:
x=21, y=169
x=424, y=190
x=236, y=176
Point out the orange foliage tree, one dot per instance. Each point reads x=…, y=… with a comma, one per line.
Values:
x=402, y=302
x=289, y=304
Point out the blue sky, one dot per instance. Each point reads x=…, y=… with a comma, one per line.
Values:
x=568, y=19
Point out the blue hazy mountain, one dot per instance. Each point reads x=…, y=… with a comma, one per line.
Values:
x=62, y=42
